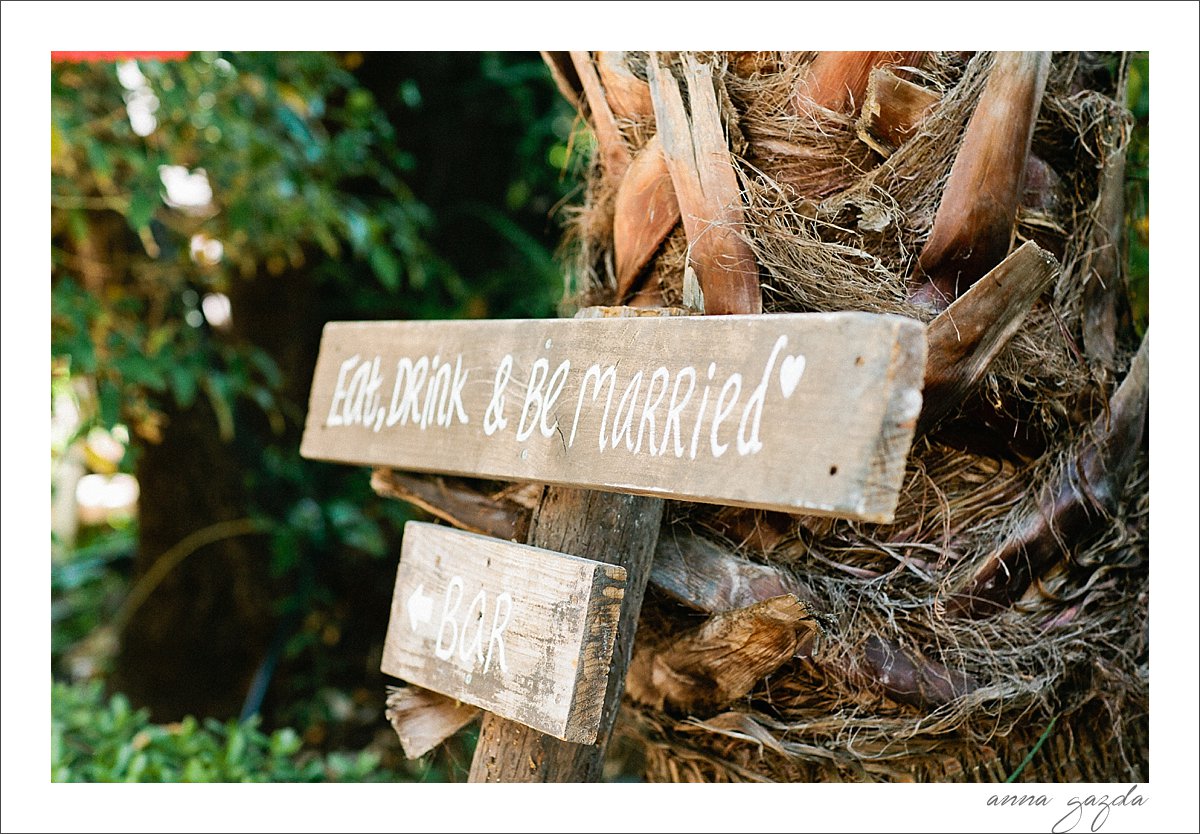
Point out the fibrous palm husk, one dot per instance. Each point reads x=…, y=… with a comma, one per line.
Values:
x=1034, y=470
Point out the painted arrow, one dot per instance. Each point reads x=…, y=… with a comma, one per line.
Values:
x=420, y=607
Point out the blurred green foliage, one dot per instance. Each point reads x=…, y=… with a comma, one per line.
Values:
x=94, y=739
x=86, y=587
x=1137, y=192
x=269, y=146
x=307, y=187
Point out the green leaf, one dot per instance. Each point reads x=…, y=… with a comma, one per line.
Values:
x=142, y=206
x=366, y=536
x=99, y=160
x=183, y=385
x=77, y=221
x=110, y=403
x=285, y=742
x=139, y=370
x=326, y=240
x=386, y=267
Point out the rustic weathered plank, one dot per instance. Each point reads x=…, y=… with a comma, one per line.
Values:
x=522, y=632
x=454, y=502
x=805, y=413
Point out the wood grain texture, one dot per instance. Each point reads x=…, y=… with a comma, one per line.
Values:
x=721, y=660
x=706, y=187
x=892, y=110
x=838, y=80
x=646, y=212
x=808, y=413
x=614, y=153
x=619, y=529
x=455, y=502
x=703, y=575
x=523, y=632
x=966, y=336
x=628, y=96
x=973, y=227
x=423, y=719
x=691, y=569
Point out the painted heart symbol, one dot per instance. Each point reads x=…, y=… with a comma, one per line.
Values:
x=790, y=372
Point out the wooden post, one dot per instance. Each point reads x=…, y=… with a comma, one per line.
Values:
x=608, y=527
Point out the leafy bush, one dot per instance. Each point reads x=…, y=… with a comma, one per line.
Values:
x=94, y=740
x=295, y=187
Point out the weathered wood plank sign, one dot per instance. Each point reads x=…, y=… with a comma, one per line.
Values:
x=803, y=412
x=520, y=631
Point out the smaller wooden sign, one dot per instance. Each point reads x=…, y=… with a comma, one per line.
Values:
x=520, y=631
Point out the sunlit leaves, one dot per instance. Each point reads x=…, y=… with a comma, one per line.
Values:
x=251, y=153
x=304, y=205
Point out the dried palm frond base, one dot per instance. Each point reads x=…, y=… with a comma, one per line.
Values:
x=999, y=625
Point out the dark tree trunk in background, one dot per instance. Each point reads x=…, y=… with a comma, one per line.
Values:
x=193, y=646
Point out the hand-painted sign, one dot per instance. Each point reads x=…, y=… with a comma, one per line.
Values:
x=805, y=413
x=520, y=631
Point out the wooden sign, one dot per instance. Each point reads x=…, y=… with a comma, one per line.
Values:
x=805, y=413
x=520, y=631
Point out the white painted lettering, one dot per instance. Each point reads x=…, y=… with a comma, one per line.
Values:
x=410, y=405
x=444, y=412
x=533, y=397
x=496, y=639
x=755, y=405
x=352, y=412
x=610, y=373
x=629, y=398
x=431, y=394
x=339, y=391
x=675, y=409
x=553, y=389
x=373, y=412
x=494, y=419
x=712, y=369
x=734, y=382
x=465, y=648
x=403, y=369
x=455, y=590
x=648, y=409
x=456, y=389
